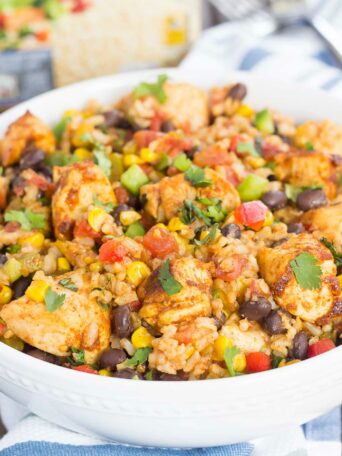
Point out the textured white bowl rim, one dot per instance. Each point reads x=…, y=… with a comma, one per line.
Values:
x=40, y=369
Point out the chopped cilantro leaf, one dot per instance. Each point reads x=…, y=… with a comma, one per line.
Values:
x=53, y=300
x=167, y=281
x=292, y=192
x=15, y=248
x=1, y=170
x=60, y=158
x=103, y=162
x=309, y=146
x=69, y=284
x=163, y=162
x=108, y=207
x=190, y=211
x=139, y=357
x=209, y=237
x=60, y=127
x=336, y=255
x=229, y=355
x=27, y=219
x=276, y=360
x=307, y=271
x=155, y=89
x=78, y=356
x=195, y=175
x=216, y=213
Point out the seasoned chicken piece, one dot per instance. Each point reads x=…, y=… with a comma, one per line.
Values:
x=4, y=185
x=26, y=130
x=193, y=300
x=75, y=191
x=254, y=339
x=308, y=304
x=80, y=322
x=325, y=136
x=304, y=168
x=185, y=106
x=326, y=221
x=164, y=199
x=77, y=254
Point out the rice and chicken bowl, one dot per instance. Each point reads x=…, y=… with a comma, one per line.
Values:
x=173, y=235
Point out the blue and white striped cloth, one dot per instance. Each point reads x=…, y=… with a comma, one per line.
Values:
x=295, y=55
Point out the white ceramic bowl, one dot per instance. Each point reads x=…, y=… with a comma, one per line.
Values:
x=176, y=414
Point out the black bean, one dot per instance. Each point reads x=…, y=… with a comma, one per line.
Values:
x=295, y=228
x=220, y=321
x=238, y=91
x=115, y=119
x=117, y=211
x=127, y=373
x=45, y=170
x=255, y=309
x=271, y=178
x=191, y=152
x=170, y=378
x=3, y=258
x=20, y=285
x=311, y=199
x=231, y=230
x=274, y=200
x=31, y=158
x=273, y=323
x=278, y=242
x=300, y=345
x=111, y=358
x=122, y=321
x=338, y=339
x=167, y=126
x=43, y=356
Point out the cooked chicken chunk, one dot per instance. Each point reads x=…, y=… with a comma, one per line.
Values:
x=164, y=199
x=185, y=106
x=308, y=304
x=193, y=300
x=254, y=339
x=325, y=136
x=326, y=221
x=302, y=168
x=75, y=191
x=81, y=322
x=26, y=130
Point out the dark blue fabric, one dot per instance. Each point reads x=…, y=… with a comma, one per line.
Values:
x=56, y=449
x=252, y=58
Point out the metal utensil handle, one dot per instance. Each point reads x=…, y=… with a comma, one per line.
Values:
x=329, y=34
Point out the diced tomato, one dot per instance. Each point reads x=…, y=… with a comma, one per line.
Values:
x=85, y=368
x=184, y=335
x=251, y=214
x=212, y=156
x=134, y=306
x=234, y=140
x=173, y=145
x=144, y=137
x=160, y=242
x=112, y=251
x=156, y=121
x=122, y=195
x=42, y=35
x=11, y=227
x=80, y=5
x=258, y=362
x=172, y=171
x=238, y=265
x=320, y=347
x=83, y=229
x=269, y=151
x=40, y=182
x=231, y=176
x=2, y=328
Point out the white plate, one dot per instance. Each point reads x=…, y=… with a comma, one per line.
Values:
x=176, y=414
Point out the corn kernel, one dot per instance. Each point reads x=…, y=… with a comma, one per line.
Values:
x=105, y=373
x=137, y=272
x=82, y=135
x=63, y=264
x=35, y=240
x=147, y=155
x=175, y=224
x=269, y=219
x=141, y=338
x=340, y=280
x=36, y=291
x=190, y=352
x=283, y=362
x=5, y=294
x=239, y=362
x=129, y=148
x=82, y=153
x=220, y=344
x=245, y=111
x=95, y=267
x=71, y=113
x=131, y=159
x=129, y=217
x=203, y=235
x=256, y=162
x=96, y=218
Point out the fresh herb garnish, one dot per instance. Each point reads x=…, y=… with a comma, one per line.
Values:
x=209, y=237
x=69, y=284
x=60, y=127
x=307, y=271
x=155, y=89
x=229, y=355
x=53, y=300
x=167, y=281
x=247, y=148
x=78, y=356
x=108, y=207
x=309, y=146
x=336, y=255
x=275, y=361
x=292, y=192
x=196, y=176
x=139, y=357
x=1, y=170
x=103, y=162
x=163, y=162
x=15, y=248
x=190, y=211
x=27, y=219
x=181, y=162
x=60, y=158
